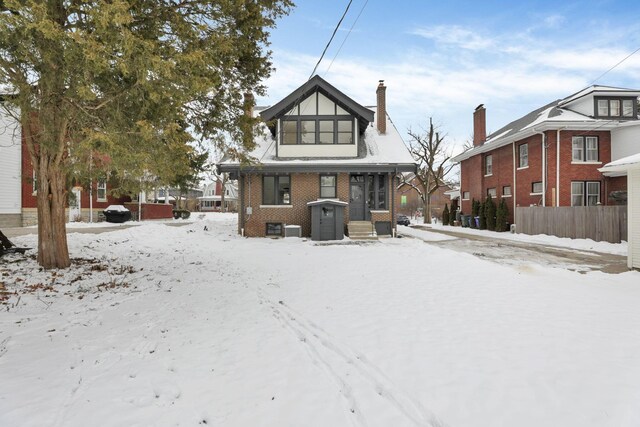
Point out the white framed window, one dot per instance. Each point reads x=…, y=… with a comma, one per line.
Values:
x=491, y=192
x=593, y=193
x=523, y=155
x=101, y=192
x=584, y=149
x=614, y=107
x=585, y=193
x=506, y=191
x=577, y=193
x=603, y=107
x=465, y=195
x=536, y=187
x=627, y=108
x=488, y=165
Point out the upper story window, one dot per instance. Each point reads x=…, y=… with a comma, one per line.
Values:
x=523, y=155
x=466, y=195
x=584, y=149
x=616, y=107
x=317, y=120
x=488, y=165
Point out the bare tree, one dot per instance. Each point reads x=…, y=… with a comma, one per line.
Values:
x=433, y=157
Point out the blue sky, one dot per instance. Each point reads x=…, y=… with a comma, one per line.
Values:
x=442, y=59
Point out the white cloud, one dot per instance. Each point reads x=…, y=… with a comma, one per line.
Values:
x=456, y=36
x=510, y=75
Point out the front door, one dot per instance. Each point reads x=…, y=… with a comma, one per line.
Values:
x=327, y=223
x=356, y=198
x=75, y=208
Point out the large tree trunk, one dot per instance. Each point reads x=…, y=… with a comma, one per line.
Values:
x=426, y=210
x=52, y=234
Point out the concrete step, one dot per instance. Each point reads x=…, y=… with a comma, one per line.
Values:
x=361, y=230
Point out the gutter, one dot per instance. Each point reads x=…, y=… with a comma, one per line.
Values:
x=544, y=167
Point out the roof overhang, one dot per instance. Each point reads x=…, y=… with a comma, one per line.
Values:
x=527, y=132
x=622, y=166
x=318, y=168
x=363, y=114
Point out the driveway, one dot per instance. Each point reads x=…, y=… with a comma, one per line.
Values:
x=515, y=253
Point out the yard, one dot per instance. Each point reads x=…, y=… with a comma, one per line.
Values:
x=161, y=325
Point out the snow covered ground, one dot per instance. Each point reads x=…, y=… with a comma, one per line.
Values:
x=160, y=325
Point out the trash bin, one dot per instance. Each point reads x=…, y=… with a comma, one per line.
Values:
x=466, y=220
x=477, y=220
x=117, y=213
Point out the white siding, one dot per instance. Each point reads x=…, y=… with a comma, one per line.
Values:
x=633, y=212
x=10, y=165
x=582, y=106
x=625, y=141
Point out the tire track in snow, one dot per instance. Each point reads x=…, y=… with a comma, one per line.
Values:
x=323, y=348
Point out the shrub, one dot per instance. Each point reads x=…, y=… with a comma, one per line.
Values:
x=482, y=215
x=490, y=213
x=502, y=213
x=445, y=215
x=474, y=213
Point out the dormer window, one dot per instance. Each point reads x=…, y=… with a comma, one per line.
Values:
x=317, y=120
x=616, y=107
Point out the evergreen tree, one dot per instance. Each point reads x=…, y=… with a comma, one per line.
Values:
x=453, y=212
x=474, y=213
x=502, y=213
x=482, y=215
x=122, y=80
x=490, y=213
x=445, y=215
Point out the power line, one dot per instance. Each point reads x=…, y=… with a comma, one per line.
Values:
x=347, y=36
x=625, y=58
x=331, y=39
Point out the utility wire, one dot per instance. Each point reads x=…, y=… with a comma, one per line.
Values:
x=331, y=39
x=625, y=58
x=347, y=36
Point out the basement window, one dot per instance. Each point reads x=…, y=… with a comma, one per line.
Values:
x=274, y=229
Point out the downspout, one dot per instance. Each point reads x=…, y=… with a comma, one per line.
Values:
x=558, y=167
x=393, y=203
x=241, y=203
x=514, y=191
x=544, y=168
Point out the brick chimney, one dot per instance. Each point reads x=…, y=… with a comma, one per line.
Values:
x=479, y=125
x=381, y=114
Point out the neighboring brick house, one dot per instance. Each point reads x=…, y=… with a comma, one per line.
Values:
x=409, y=202
x=551, y=156
x=18, y=202
x=321, y=148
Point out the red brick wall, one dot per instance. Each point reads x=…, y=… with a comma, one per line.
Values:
x=151, y=210
x=305, y=187
x=474, y=181
x=582, y=172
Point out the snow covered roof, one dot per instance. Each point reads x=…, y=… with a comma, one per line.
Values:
x=376, y=151
x=621, y=165
x=550, y=116
x=601, y=90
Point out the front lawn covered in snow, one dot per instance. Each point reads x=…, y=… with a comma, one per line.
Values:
x=162, y=325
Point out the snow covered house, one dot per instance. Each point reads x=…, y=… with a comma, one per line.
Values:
x=629, y=166
x=320, y=151
x=211, y=199
x=551, y=156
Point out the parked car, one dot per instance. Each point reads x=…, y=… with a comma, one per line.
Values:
x=117, y=213
x=403, y=220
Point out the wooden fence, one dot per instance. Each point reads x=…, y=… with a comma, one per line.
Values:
x=599, y=223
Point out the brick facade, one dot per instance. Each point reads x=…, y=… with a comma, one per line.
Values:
x=305, y=187
x=413, y=202
x=474, y=180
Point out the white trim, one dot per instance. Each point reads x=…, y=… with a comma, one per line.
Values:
x=379, y=212
x=522, y=168
x=574, y=162
x=489, y=175
x=276, y=206
x=504, y=196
